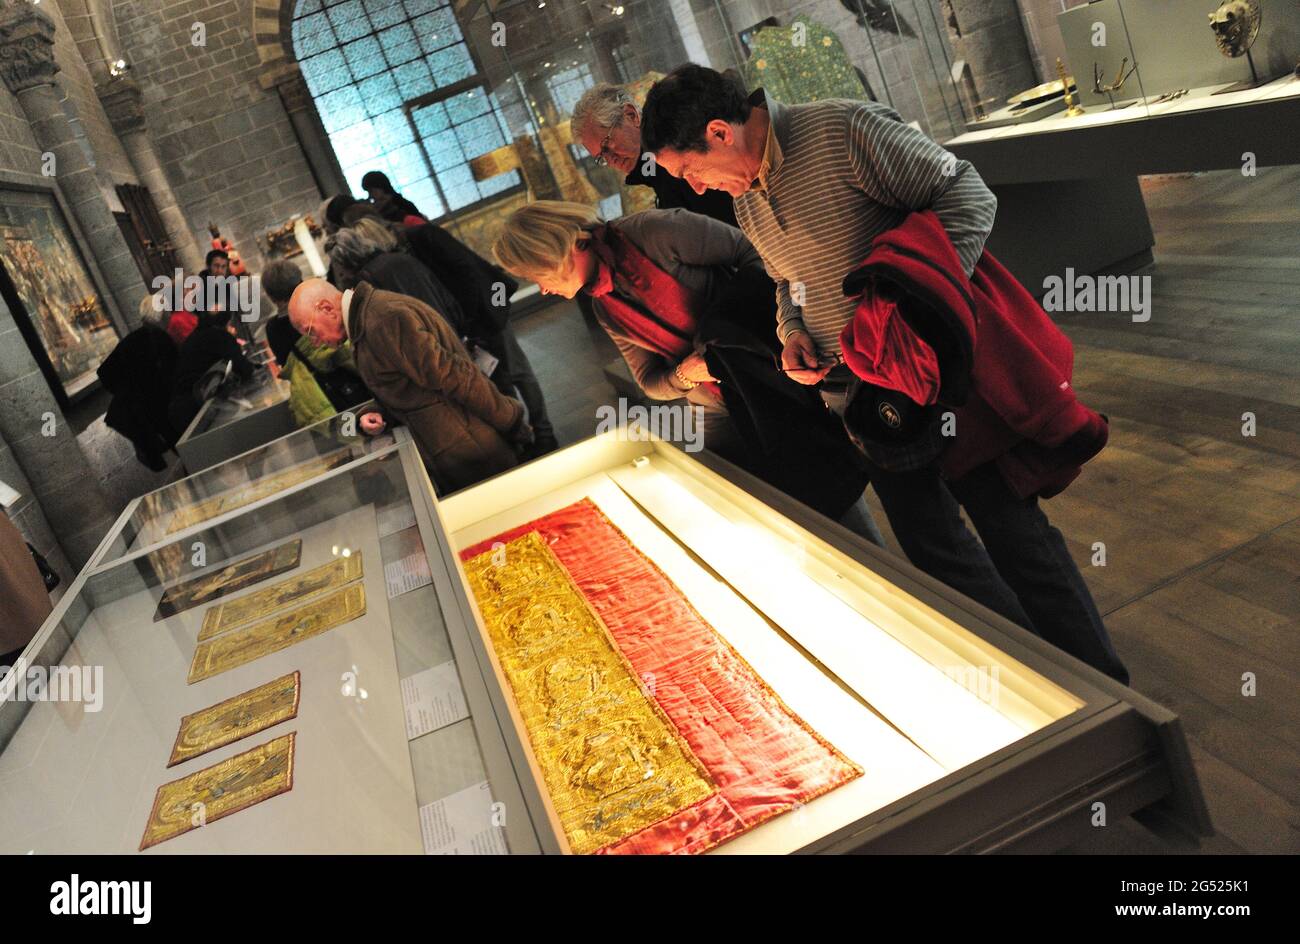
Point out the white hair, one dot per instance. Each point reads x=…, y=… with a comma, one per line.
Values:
x=601, y=106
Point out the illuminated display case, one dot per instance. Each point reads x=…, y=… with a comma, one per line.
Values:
x=971, y=734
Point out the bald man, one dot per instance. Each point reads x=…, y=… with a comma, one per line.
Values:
x=416, y=366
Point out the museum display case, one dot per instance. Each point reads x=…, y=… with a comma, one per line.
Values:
x=239, y=417
x=246, y=480
x=1128, y=60
x=291, y=686
x=620, y=647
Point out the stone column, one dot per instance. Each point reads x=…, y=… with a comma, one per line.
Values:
x=993, y=42
x=287, y=80
x=122, y=101
x=28, y=68
x=54, y=469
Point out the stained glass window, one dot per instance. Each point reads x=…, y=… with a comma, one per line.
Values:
x=367, y=62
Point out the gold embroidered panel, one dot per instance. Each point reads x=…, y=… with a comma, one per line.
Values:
x=227, y=722
x=612, y=760
x=263, y=603
x=229, y=579
x=241, y=646
x=228, y=787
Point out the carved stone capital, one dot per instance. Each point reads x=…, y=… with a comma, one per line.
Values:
x=26, y=47
x=123, y=103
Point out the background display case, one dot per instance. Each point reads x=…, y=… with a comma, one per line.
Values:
x=236, y=420
x=250, y=479
x=971, y=734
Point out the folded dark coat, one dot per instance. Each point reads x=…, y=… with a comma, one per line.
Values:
x=980, y=345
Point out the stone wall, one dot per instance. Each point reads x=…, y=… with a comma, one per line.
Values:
x=226, y=144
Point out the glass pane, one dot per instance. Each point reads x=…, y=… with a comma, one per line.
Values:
x=480, y=135
x=431, y=119
x=380, y=93
x=467, y=105
x=444, y=150
x=365, y=58
x=384, y=13
x=413, y=79
x=312, y=34
x=424, y=195
x=408, y=167
x=349, y=20
x=152, y=634
x=450, y=65
x=393, y=129
x=399, y=44
x=417, y=7
x=359, y=142
x=326, y=72
x=437, y=30
x=340, y=109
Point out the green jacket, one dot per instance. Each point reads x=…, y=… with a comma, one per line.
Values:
x=308, y=403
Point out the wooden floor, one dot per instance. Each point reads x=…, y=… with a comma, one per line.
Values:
x=1201, y=524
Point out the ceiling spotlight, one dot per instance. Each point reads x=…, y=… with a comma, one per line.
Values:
x=118, y=67
x=614, y=8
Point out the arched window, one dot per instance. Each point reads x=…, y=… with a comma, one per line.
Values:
x=399, y=92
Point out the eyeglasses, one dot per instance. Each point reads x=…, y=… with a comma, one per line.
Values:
x=602, y=158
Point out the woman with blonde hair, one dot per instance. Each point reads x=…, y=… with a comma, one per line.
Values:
x=654, y=279
x=650, y=275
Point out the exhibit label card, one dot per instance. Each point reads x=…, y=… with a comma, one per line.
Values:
x=461, y=824
x=410, y=571
x=433, y=699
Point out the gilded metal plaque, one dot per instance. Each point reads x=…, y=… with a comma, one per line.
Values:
x=233, y=500
x=229, y=579
x=227, y=722
x=241, y=646
x=263, y=603
x=612, y=761
x=228, y=787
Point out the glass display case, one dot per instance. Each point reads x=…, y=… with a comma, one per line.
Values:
x=1129, y=60
x=276, y=681
x=236, y=420
x=617, y=648
x=249, y=479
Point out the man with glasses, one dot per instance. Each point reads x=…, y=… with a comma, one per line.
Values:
x=608, y=124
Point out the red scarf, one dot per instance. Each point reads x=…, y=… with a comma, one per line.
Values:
x=660, y=314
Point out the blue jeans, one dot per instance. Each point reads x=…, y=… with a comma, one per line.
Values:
x=1023, y=570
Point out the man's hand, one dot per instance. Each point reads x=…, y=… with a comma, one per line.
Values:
x=372, y=424
x=799, y=359
x=694, y=369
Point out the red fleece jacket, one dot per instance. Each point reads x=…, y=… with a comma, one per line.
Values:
x=1005, y=366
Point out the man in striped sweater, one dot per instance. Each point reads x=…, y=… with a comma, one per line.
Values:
x=814, y=184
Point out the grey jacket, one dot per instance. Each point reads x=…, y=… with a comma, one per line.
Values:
x=698, y=252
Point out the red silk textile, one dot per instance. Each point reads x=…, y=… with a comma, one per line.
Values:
x=764, y=759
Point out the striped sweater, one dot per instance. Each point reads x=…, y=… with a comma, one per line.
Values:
x=836, y=174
